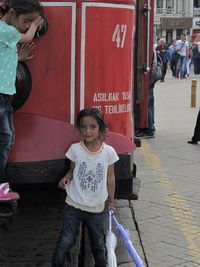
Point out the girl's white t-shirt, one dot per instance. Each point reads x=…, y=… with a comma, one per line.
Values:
x=88, y=188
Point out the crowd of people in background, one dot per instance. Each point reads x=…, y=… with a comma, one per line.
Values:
x=179, y=55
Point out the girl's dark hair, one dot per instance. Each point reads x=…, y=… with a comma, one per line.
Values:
x=95, y=113
x=21, y=7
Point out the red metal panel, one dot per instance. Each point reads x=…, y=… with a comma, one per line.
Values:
x=107, y=56
x=48, y=139
x=51, y=67
x=43, y=125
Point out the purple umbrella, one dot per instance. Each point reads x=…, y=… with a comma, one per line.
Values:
x=128, y=243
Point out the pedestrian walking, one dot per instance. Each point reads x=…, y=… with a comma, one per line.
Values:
x=182, y=48
x=163, y=52
x=196, y=57
x=173, y=58
x=189, y=61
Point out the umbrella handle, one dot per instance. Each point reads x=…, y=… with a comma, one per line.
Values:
x=115, y=220
x=110, y=220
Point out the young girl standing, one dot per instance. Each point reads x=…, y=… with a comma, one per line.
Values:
x=89, y=182
x=19, y=22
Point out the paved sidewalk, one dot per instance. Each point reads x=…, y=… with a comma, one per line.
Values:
x=164, y=224
x=168, y=209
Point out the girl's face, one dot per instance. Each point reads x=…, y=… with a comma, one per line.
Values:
x=23, y=21
x=89, y=129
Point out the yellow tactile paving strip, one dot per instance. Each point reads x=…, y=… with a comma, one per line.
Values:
x=180, y=209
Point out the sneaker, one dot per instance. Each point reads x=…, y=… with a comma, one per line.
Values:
x=146, y=135
x=140, y=133
x=6, y=193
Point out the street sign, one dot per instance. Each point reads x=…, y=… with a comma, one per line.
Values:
x=198, y=23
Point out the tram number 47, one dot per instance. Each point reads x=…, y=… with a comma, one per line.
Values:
x=119, y=35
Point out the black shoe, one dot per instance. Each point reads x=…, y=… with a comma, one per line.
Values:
x=192, y=142
x=139, y=133
x=145, y=135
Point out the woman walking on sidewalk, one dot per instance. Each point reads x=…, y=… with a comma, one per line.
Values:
x=163, y=52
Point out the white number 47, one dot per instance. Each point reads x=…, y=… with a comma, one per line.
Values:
x=119, y=35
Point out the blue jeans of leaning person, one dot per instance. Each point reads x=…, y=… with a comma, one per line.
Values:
x=6, y=132
x=151, y=126
x=94, y=223
x=181, y=66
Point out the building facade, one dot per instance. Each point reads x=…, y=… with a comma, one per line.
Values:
x=196, y=17
x=172, y=18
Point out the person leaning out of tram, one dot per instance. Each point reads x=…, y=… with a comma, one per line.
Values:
x=19, y=21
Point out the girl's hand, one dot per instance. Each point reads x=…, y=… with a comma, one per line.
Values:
x=25, y=50
x=30, y=33
x=111, y=206
x=37, y=22
x=64, y=182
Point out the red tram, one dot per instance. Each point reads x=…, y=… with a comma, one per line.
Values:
x=94, y=53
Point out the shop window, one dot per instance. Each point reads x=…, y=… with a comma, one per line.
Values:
x=159, y=4
x=196, y=3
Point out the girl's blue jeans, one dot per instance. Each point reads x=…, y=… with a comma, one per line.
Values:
x=6, y=132
x=94, y=223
